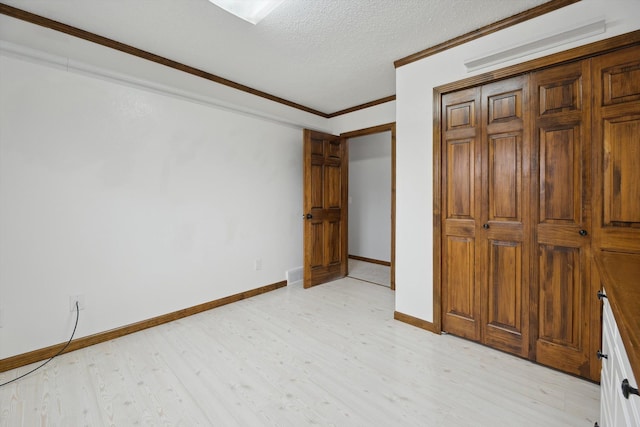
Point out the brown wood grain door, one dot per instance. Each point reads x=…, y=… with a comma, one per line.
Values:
x=325, y=207
x=561, y=297
x=461, y=201
x=616, y=149
x=616, y=154
x=503, y=229
x=485, y=250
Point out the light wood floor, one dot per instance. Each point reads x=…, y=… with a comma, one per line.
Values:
x=330, y=355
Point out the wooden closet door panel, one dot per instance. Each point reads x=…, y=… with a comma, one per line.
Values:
x=616, y=150
x=560, y=293
x=460, y=207
x=503, y=236
x=616, y=155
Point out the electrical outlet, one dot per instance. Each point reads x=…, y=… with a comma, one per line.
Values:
x=72, y=302
x=258, y=264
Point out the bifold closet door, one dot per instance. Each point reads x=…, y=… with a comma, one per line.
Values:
x=485, y=265
x=539, y=172
x=561, y=296
x=503, y=233
x=461, y=200
x=616, y=148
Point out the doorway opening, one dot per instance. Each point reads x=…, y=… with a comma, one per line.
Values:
x=371, y=204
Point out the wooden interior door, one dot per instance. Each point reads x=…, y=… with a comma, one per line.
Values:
x=485, y=251
x=503, y=231
x=461, y=167
x=325, y=207
x=616, y=154
x=561, y=309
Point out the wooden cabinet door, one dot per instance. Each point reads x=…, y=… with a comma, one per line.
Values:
x=461, y=166
x=561, y=297
x=503, y=228
x=325, y=208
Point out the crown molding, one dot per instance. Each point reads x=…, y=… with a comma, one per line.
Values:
x=487, y=29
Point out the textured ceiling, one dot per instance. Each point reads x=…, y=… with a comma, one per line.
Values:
x=328, y=55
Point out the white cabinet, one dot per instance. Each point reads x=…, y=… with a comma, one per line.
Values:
x=615, y=409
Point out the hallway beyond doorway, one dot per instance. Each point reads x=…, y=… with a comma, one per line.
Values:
x=370, y=272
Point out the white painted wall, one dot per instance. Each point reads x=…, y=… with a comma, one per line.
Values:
x=414, y=109
x=145, y=192
x=370, y=196
x=81, y=56
x=373, y=116
x=142, y=202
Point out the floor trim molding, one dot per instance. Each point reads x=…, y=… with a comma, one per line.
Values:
x=414, y=321
x=371, y=260
x=47, y=352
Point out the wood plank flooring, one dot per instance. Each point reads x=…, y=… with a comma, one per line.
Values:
x=329, y=355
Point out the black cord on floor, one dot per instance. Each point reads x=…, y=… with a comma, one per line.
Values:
x=55, y=355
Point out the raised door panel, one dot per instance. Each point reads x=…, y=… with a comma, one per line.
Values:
x=561, y=286
x=560, y=161
x=616, y=150
x=560, y=296
x=316, y=184
x=505, y=177
x=333, y=184
x=561, y=90
x=333, y=252
x=563, y=333
x=460, y=211
x=621, y=191
x=621, y=77
x=505, y=317
x=503, y=238
x=460, y=183
x=461, y=295
x=461, y=114
x=316, y=237
x=333, y=210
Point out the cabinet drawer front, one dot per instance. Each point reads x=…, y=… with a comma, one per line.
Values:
x=615, y=410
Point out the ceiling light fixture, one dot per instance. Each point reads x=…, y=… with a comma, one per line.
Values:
x=252, y=11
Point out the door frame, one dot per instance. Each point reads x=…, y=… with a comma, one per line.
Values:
x=388, y=127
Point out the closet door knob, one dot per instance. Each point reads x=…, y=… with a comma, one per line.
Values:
x=627, y=389
x=600, y=355
x=601, y=295
x=485, y=226
x=583, y=232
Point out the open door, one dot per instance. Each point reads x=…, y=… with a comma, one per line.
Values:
x=325, y=207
